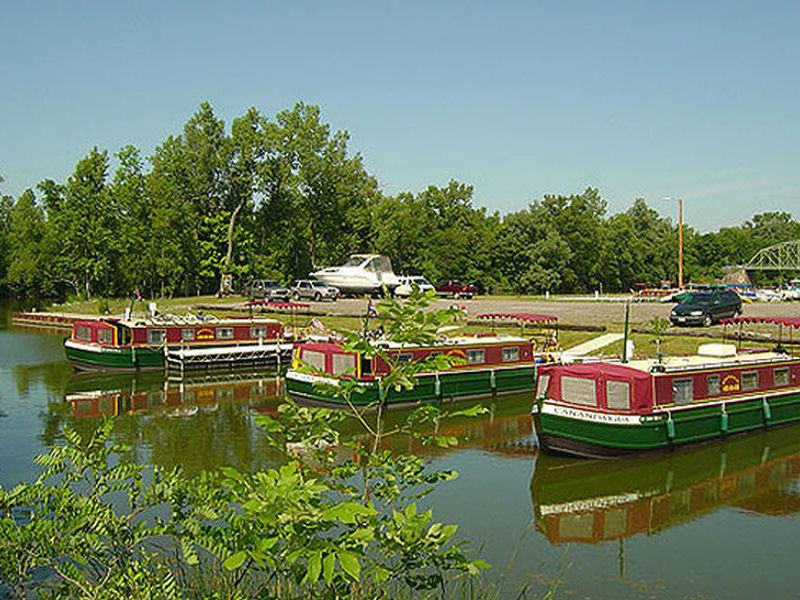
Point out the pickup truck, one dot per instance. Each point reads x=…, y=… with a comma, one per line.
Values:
x=455, y=289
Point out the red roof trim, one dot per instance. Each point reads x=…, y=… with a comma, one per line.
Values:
x=527, y=317
x=788, y=321
x=270, y=304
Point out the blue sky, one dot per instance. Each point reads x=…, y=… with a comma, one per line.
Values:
x=652, y=99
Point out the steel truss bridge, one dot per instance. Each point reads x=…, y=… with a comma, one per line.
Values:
x=780, y=257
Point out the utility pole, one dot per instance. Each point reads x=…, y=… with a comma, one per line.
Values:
x=680, y=240
x=680, y=243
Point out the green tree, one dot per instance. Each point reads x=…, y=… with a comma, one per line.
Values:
x=83, y=225
x=6, y=206
x=133, y=214
x=25, y=234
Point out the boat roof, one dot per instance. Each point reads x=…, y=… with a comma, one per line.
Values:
x=179, y=321
x=694, y=362
x=444, y=343
x=461, y=340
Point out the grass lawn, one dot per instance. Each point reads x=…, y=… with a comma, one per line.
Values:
x=644, y=344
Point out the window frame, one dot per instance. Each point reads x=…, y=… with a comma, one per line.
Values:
x=579, y=381
x=162, y=337
x=680, y=381
x=314, y=354
x=783, y=371
x=105, y=336
x=476, y=352
x=188, y=334
x=510, y=349
x=338, y=357
x=255, y=329
x=219, y=335
x=747, y=374
x=709, y=379
x=626, y=403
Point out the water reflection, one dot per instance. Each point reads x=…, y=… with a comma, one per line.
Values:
x=115, y=395
x=598, y=501
x=186, y=421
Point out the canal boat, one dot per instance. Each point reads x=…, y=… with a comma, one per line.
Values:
x=612, y=408
x=489, y=364
x=181, y=342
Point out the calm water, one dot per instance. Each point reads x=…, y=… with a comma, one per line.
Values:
x=720, y=521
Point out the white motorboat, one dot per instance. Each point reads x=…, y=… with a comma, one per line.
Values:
x=361, y=274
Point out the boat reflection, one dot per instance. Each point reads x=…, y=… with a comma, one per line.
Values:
x=597, y=501
x=94, y=396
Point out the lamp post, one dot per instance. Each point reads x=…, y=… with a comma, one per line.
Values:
x=680, y=240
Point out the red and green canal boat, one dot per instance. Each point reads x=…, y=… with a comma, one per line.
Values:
x=611, y=409
x=147, y=344
x=490, y=364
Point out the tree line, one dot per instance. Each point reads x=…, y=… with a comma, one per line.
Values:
x=277, y=197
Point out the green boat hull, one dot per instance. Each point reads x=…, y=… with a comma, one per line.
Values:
x=451, y=385
x=577, y=432
x=114, y=359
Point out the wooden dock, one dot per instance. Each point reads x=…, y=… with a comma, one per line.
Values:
x=46, y=320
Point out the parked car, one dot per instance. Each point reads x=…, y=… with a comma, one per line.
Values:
x=455, y=289
x=312, y=289
x=266, y=289
x=408, y=281
x=706, y=307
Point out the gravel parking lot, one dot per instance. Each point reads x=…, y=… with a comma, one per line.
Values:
x=576, y=312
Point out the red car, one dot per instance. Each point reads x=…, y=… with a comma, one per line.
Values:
x=455, y=289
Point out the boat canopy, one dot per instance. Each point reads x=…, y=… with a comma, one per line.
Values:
x=597, y=385
x=524, y=317
x=788, y=321
x=281, y=305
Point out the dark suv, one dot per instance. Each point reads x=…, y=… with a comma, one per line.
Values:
x=706, y=307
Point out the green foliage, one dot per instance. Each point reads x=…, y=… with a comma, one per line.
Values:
x=280, y=196
x=334, y=519
x=25, y=232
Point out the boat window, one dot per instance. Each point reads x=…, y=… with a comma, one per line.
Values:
x=224, y=333
x=712, y=385
x=104, y=336
x=541, y=386
x=682, y=390
x=618, y=395
x=366, y=366
x=405, y=357
x=156, y=336
x=314, y=359
x=83, y=333
x=380, y=264
x=258, y=331
x=781, y=376
x=578, y=390
x=511, y=354
x=187, y=335
x=750, y=380
x=344, y=364
x=354, y=260
x=476, y=357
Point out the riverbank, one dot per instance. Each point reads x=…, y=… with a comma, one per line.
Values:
x=603, y=315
